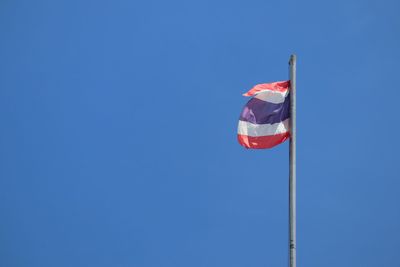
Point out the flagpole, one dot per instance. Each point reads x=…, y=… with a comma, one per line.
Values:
x=292, y=164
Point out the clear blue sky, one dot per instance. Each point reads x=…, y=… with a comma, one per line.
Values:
x=118, y=133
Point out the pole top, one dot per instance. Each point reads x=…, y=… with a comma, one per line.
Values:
x=292, y=59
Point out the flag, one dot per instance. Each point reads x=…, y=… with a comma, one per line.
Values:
x=264, y=121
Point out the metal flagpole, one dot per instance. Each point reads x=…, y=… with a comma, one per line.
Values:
x=292, y=164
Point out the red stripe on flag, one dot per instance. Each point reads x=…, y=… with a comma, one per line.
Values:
x=259, y=142
x=281, y=86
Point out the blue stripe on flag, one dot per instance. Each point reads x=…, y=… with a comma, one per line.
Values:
x=260, y=112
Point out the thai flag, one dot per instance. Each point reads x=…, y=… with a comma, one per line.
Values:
x=264, y=121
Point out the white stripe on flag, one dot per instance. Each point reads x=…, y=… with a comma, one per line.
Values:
x=251, y=129
x=274, y=97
